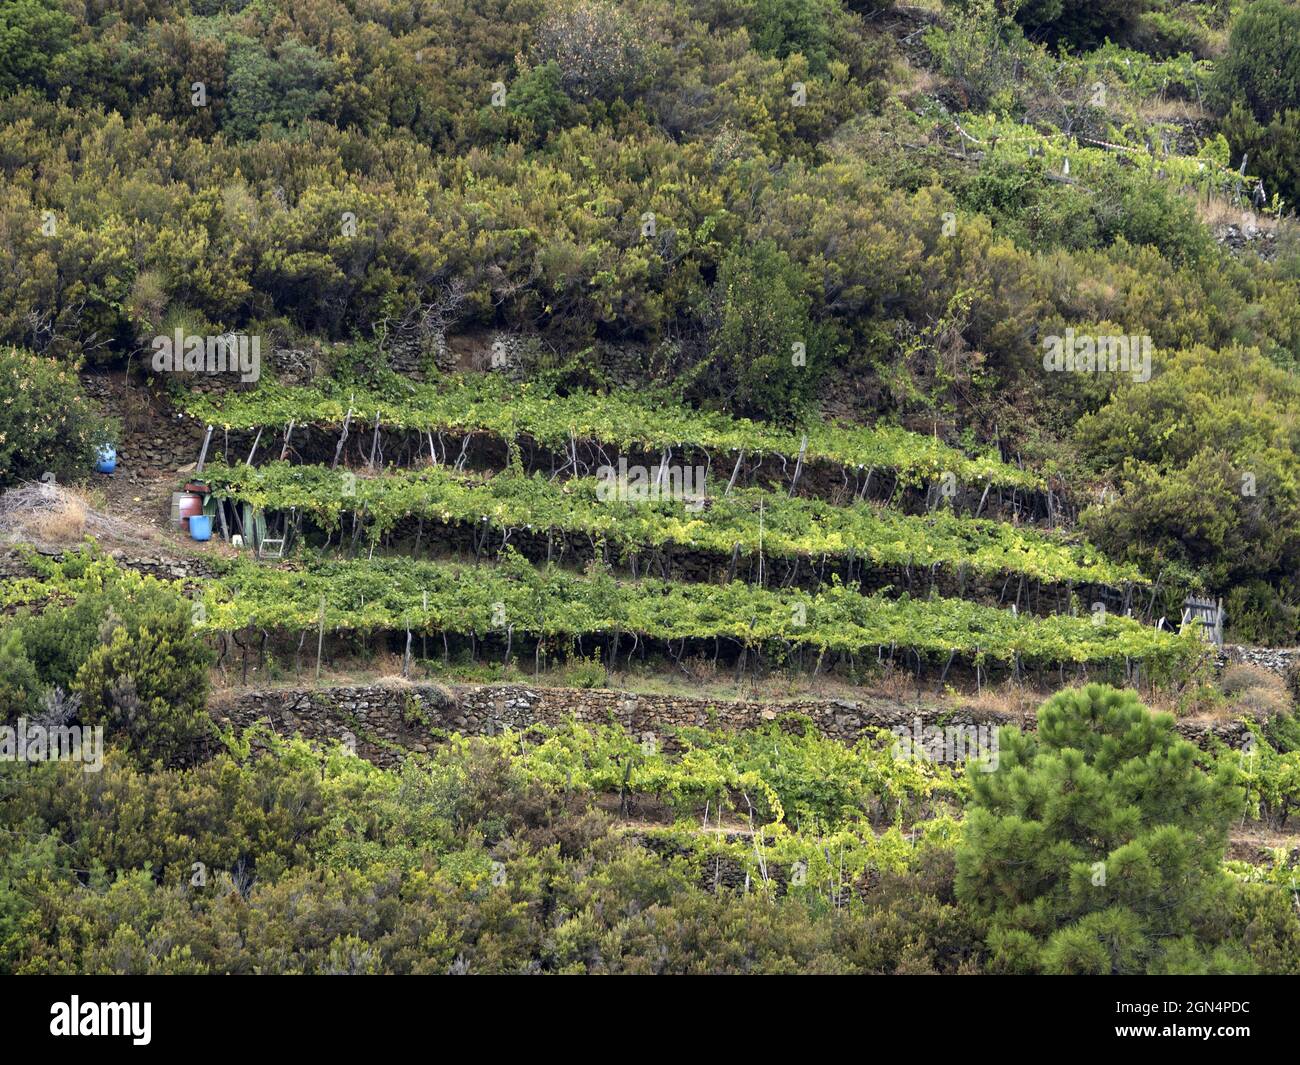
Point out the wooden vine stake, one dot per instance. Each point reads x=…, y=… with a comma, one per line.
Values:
x=288, y=434
x=320, y=636
x=374, y=441
x=338, y=451
x=203, y=452
x=798, y=466
x=735, y=472
x=424, y=631
x=253, y=450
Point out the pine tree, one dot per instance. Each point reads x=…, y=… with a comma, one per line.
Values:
x=1096, y=845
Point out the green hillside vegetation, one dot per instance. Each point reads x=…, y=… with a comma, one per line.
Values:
x=982, y=318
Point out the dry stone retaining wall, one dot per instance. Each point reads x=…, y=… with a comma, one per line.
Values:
x=386, y=721
x=1279, y=660
x=12, y=565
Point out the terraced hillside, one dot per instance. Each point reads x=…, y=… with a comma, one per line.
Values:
x=761, y=485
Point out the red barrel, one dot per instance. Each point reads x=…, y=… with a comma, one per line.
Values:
x=191, y=504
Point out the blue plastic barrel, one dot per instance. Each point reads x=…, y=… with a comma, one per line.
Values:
x=201, y=527
x=106, y=460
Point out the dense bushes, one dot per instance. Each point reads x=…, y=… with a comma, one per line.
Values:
x=1204, y=456
x=1078, y=23
x=489, y=856
x=1258, y=85
x=1081, y=23
x=128, y=655
x=46, y=423
x=1262, y=64
x=1272, y=148
x=32, y=33
x=462, y=865
x=1127, y=205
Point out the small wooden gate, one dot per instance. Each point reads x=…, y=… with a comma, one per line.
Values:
x=1210, y=614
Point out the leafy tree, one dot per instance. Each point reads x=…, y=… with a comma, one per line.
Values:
x=1205, y=465
x=32, y=34
x=767, y=356
x=1096, y=845
x=538, y=97
x=596, y=47
x=283, y=89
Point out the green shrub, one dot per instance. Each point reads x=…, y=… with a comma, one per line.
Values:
x=1262, y=64
x=984, y=53
x=20, y=686
x=585, y=671
x=47, y=425
x=1257, y=614
x=1159, y=34
x=130, y=650
x=1273, y=147
x=1123, y=204
x=784, y=27
x=538, y=98
x=147, y=680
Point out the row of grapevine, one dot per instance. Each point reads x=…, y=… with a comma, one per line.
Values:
x=466, y=403
x=547, y=603
x=749, y=520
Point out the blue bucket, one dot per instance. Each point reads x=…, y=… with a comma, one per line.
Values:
x=106, y=460
x=200, y=527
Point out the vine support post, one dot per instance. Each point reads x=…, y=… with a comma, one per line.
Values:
x=343, y=437
x=320, y=636
x=374, y=441
x=740, y=457
x=798, y=465
x=203, y=452
x=288, y=435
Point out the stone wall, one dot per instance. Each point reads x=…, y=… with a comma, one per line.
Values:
x=1280, y=660
x=385, y=721
x=167, y=568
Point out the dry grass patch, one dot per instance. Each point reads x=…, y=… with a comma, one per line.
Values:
x=43, y=513
x=1255, y=691
x=1220, y=212
x=1160, y=109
